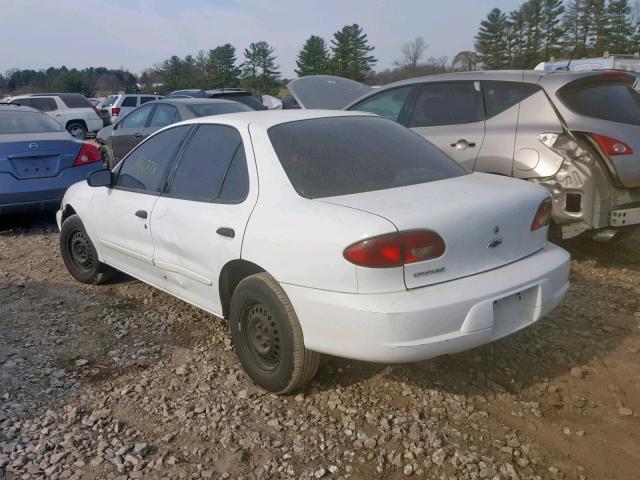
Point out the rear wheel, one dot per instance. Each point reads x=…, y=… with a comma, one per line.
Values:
x=77, y=130
x=79, y=254
x=267, y=336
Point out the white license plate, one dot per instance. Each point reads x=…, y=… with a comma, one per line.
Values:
x=513, y=312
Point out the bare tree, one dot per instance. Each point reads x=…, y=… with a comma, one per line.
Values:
x=465, y=60
x=412, y=53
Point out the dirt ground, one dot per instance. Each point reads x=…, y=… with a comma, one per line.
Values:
x=123, y=381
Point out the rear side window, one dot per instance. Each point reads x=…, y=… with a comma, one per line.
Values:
x=386, y=104
x=146, y=99
x=214, y=157
x=215, y=108
x=27, y=122
x=75, y=100
x=130, y=102
x=601, y=97
x=137, y=118
x=500, y=96
x=164, y=115
x=453, y=103
x=42, y=104
x=146, y=167
x=364, y=154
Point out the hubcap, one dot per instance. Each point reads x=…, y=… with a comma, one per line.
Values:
x=261, y=335
x=80, y=248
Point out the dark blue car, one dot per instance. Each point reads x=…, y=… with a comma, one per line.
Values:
x=39, y=160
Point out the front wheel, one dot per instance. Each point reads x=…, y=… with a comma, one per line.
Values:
x=79, y=255
x=267, y=336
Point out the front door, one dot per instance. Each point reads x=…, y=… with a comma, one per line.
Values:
x=199, y=223
x=451, y=116
x=123, y=229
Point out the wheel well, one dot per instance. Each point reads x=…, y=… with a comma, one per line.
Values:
x=67, y=212
x=230, y=276
x=81, y=122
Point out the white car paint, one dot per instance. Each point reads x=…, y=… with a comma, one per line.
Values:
x=373, y=314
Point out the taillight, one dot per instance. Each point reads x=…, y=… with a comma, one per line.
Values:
x=611, y=146
x=89, y=153
x=115, y=111
x=396, y=249
x=543, y=215
x=96, y=110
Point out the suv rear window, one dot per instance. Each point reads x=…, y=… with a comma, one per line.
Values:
x=363, y=154
x=609, y=98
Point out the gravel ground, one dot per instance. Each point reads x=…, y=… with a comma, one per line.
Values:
x=123, y=381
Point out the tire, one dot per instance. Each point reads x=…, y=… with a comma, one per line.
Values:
x=267, y=336
x=79, y=254
x=107, y=157
x=77, y=130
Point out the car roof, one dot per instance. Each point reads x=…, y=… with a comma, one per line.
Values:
x=268, y=118
x=191, y=101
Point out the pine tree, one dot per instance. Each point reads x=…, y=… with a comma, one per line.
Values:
x=576, y=24
x=350, y=49
x=619, y=28
x=552, y=11
x=221, y=66
x=516, y=36
x=313, y=59
x=259, y=70
x=201, y=70
x=533, y=19
x=598, y=20
x=492, y=40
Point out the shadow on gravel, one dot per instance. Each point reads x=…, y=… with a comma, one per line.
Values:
x=622, y=253
x=28, y=223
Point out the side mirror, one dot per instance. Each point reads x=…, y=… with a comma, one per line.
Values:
x=100, y=178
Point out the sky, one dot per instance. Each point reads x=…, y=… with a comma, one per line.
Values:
x=136, y=34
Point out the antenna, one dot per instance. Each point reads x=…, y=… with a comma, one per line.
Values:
x=571, y=57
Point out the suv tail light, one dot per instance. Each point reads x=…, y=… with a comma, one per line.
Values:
x=115, y=111
x=396, y=249
x=543, y=215
x=88, y=154
x=611, y=146
x=96, y=110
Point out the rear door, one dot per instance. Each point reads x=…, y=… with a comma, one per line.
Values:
x=162, y=116
x=130, y=131
x=123, y=212
x=199, y=223
x=607, y=104
x=451, y=116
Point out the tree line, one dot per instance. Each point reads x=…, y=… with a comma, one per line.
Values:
x=541, y=29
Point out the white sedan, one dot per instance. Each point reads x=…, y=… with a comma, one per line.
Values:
x=320, y=232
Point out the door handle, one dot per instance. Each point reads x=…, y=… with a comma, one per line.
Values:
x=141, y=213
x=226, y=232
x=137, y=135
x=463, y=144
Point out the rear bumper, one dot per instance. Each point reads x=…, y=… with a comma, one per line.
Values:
x=94, y=125
x=426, y=322
x=40, y=193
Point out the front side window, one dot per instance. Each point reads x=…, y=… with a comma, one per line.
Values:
x=164, y=115
x=386, y=104
x=500, y=96
x=365, y=153
x=137, y=118
x=130, y=102
x=453, y=103
x=146, y=167
x=212, y=167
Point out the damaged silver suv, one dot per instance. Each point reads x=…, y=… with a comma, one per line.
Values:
x=576, y=133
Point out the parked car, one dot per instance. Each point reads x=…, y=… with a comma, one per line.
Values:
x=308, y=230
x=103, y=112
x=235, y=94
x=117, y=140
x=39, y=160
x=71, y=110
x=576, y=133
x=118, y=106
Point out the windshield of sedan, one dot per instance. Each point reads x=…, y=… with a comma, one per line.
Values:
x=27, y=122
x=325, y=157
x=205, y=109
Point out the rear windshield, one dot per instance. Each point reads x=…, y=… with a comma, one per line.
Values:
x=205, y=109
x=110, y=100
x=324, y=157
x=27, y=122
x=247, y=99
x=609, y=98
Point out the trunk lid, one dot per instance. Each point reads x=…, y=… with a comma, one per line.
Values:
x=485, y=221
x=607, y=103
x=25, y=158
x=326, y=91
